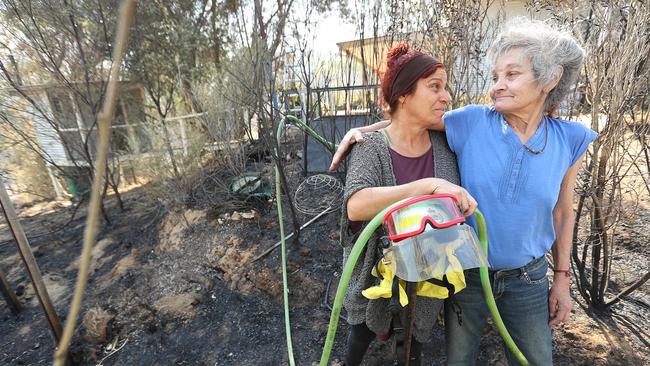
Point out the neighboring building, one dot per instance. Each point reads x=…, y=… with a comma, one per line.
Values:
x=63, y=121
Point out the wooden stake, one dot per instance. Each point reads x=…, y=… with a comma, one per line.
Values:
x=9, y=295
x=30, y=263
x=411, y=292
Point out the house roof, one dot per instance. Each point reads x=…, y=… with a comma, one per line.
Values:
x=372, y=51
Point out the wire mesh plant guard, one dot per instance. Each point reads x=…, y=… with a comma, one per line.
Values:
x=319, y=194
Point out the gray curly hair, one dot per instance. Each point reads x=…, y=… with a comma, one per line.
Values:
x=548, y=49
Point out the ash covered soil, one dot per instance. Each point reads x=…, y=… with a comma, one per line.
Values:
x=180, y=287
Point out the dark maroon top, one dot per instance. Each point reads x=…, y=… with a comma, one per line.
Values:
x=406, y=170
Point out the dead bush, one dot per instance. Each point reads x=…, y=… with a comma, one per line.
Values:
x=96, y=322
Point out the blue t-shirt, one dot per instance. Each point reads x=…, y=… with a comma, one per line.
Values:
x=516, y=190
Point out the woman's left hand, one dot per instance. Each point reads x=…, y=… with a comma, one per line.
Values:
x=560, y=302
x=559, y=298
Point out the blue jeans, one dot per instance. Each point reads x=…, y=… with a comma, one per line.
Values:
x=522, y=299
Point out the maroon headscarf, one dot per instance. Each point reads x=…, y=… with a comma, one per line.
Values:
x=404, y=67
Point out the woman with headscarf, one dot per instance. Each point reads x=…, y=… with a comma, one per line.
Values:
x=403, y=160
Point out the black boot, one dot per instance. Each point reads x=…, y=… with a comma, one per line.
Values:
x=358, y=342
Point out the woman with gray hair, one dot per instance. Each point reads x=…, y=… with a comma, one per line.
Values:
x=520, y=164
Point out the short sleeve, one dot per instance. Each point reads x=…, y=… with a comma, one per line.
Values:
x=459, y=124
x=580, y=139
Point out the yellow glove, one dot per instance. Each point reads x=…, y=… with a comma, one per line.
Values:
x=424, y=288
x=428, y=289
x=454, y=272
x=385, y=288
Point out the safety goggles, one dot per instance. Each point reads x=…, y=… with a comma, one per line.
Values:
x=411, y=217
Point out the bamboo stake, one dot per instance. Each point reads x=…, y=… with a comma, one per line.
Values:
x=9, y=295
x=127, y=8
x=30, y=263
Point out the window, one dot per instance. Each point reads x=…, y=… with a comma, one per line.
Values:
x=128, y=133
x=62, y=108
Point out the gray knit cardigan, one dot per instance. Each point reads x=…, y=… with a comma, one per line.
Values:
x=371, y=166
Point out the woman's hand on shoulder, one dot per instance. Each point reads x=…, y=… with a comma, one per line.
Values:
x=351, y=137
x=466, y=202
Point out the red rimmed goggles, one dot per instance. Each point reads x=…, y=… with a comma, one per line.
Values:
x=410, y=218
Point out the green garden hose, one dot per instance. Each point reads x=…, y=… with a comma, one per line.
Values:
x=329, y=145
x=346, y=275
x=278, y=196
x=489, y=297
x=353, y=257
x=285, y=283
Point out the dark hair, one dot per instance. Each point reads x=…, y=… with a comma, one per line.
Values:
x=398, y=59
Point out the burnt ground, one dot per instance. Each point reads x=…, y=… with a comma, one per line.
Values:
x=180, y=288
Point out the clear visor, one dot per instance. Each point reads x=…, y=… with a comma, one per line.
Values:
x=436, y=252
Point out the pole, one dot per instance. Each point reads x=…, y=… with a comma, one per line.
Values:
x=30, y=263
x=9, y=295
x=411, y=290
